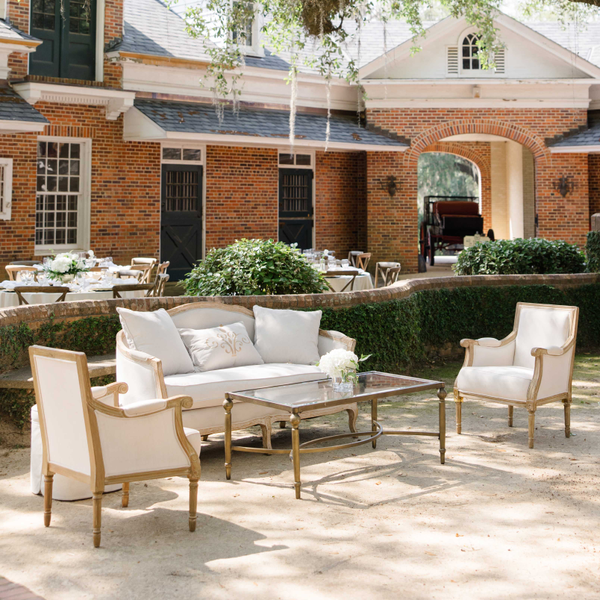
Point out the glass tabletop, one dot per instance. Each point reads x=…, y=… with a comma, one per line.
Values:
x=315, y=394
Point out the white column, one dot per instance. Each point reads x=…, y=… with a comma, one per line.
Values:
x=514, y=179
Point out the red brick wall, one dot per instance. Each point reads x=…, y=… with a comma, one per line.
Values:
x=594, y=175
x=340, y=207
x=125, y=193
x=241, y=194
x=18, y=12
x=558, y=218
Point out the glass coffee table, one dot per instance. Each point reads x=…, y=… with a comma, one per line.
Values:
x=296, y=398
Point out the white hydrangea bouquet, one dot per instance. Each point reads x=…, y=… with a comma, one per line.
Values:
x=341, y=366
x=64, y=267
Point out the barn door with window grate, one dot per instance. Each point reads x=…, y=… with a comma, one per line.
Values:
x=296, y=207
x=181, y=218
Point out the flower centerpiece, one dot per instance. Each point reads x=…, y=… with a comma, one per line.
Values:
x=341, y=366
x=64, y=267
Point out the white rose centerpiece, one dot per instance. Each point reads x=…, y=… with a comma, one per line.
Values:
x=341, y=366
x=64, y=267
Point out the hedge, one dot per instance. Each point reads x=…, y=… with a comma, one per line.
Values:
x=400, y=334
x=592, y=250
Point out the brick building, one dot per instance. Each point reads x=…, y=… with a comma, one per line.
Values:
x=110, y=141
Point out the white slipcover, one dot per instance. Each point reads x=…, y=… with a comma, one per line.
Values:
x=510, y=382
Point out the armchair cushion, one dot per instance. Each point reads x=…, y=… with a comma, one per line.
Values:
x=208, y=389
x=287, y=335
x=155, y=334
x=540, y=328
x=220, y=347
x=510, y=383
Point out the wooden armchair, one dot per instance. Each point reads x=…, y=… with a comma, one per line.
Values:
x=13, y=271
x=530, y=367
x=388, y=271
x=88, y=437
x=62, y=292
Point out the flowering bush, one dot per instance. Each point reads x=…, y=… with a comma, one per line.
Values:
x=341, y=363
x=65, y=264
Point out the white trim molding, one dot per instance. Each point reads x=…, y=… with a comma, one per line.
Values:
x=6, y=165
x=7, y=127
x=575, y=149
x=100, y=21
x=116, y=102
x=7, y=47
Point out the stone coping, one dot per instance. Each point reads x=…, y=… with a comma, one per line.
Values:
x=35, y=315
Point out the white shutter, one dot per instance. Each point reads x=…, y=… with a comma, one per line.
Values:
x=452, y=60
x=500, y=60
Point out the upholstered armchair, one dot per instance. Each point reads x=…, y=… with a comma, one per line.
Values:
x=88, y=437
x=530, y=367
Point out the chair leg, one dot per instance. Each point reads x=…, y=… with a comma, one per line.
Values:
x=204, y=437
x=282, y=424
x=352, y=417
x=531, y=427
x=458, y=403
x=193, y=503
x=48, y=481
x=125, y=496
x=97, y=518
x=510, y=416
x=266, y=435
x=567, y=404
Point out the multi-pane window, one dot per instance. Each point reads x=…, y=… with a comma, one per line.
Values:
x=79, y=16
x=295, y=192
x=58, y=198
x=470, y=53
x=182, y=154
x=300, y=160
x=181, y=191
x=43, y=14
x=244, y=35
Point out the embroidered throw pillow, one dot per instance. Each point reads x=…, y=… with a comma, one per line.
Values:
x=155, y=333
x=220, y=347
x=287, y=336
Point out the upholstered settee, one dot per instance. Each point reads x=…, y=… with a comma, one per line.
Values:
x=144, y=376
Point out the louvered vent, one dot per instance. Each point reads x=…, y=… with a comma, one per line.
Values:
x=500, y=60
x=452, y=60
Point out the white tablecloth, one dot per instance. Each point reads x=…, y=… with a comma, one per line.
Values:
x=362, y=282
x=8, y=299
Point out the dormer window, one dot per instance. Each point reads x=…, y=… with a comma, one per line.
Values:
x=247, y=36
x=470, y=53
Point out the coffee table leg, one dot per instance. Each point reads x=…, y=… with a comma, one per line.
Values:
x=373, y=419
x=442, y=398
x=295, y=422
x=227, y=405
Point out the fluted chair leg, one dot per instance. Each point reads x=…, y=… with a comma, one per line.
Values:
x=531, y=427
x=510, y=416
x=125, y=496
x=193, y=503
x=458, y=403
x=567, y=404
x=97, y=518
x=48, y=481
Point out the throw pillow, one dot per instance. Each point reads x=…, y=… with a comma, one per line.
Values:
x=155, y=333
x=220, y=347
x=287, y=336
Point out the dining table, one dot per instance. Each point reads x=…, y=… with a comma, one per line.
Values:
x=362, y=282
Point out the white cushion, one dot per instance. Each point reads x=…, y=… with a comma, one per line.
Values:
x=540, y=328
x=220, y=347
x=208, y=388
x=155, y=333
x=510, y=383
x=194, y=438
x=287, y=335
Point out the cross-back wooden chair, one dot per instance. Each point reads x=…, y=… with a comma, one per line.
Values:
x=13, y=271
x=137, y=273
x=530, y=367
x=158, y=289
x=145, y=270
x=41, y=289
x=118, y=289
x=362, y=260
x=162, y=268
x=88, y=437
x=352, y=256
x=388, y=271
x=349, y=287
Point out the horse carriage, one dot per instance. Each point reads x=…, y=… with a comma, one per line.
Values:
x=447, y=220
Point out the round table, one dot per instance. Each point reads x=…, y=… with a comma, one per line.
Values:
x=362, y=282
x=10, y=299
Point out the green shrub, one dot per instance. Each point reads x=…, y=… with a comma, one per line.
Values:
x=592, y=250
x=533, y=256
x=253, y=267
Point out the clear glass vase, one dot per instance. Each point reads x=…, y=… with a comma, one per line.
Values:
x=341, y=384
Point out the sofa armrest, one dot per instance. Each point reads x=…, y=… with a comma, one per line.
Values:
x=331, y=340
x=109, y=394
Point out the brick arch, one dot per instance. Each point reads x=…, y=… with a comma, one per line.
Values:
x=500, y=128
x=479, y=154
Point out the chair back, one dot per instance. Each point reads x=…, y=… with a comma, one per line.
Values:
x=162, y=268
x=28, y=263
x=349, y=287
x=13, y=271
x=41, y=289
x=158, y=291
x=140, y=260
x=60, y=378
x=145, y=269
x=362, y=260
x=139, y=275
x=352, y=256
x=117, y=289
x=542, y=326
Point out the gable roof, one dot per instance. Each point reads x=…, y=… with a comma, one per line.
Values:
x=8, y=32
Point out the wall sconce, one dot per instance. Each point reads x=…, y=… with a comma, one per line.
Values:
x=390, y=185
x=565, y=185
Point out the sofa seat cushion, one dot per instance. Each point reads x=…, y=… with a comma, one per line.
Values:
x=208, y=388
x=510, y=383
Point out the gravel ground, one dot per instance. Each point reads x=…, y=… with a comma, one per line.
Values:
x=497, y=520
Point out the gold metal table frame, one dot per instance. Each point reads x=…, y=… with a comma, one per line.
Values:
x=361, y=393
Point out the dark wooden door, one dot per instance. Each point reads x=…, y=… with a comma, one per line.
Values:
x=69, y=38
x=181, y=218
x=296, y=207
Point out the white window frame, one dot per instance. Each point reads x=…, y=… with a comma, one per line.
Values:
x=85, y=206
x=472, y=73
x=310, y=153
x=5, y=213
x=255, y=49
x=182, y=146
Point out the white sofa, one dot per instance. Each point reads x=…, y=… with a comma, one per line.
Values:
x=144, y=375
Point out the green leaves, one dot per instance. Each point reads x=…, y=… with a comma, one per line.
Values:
x=535, y=256
x=592, y=249
x=253, y=267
